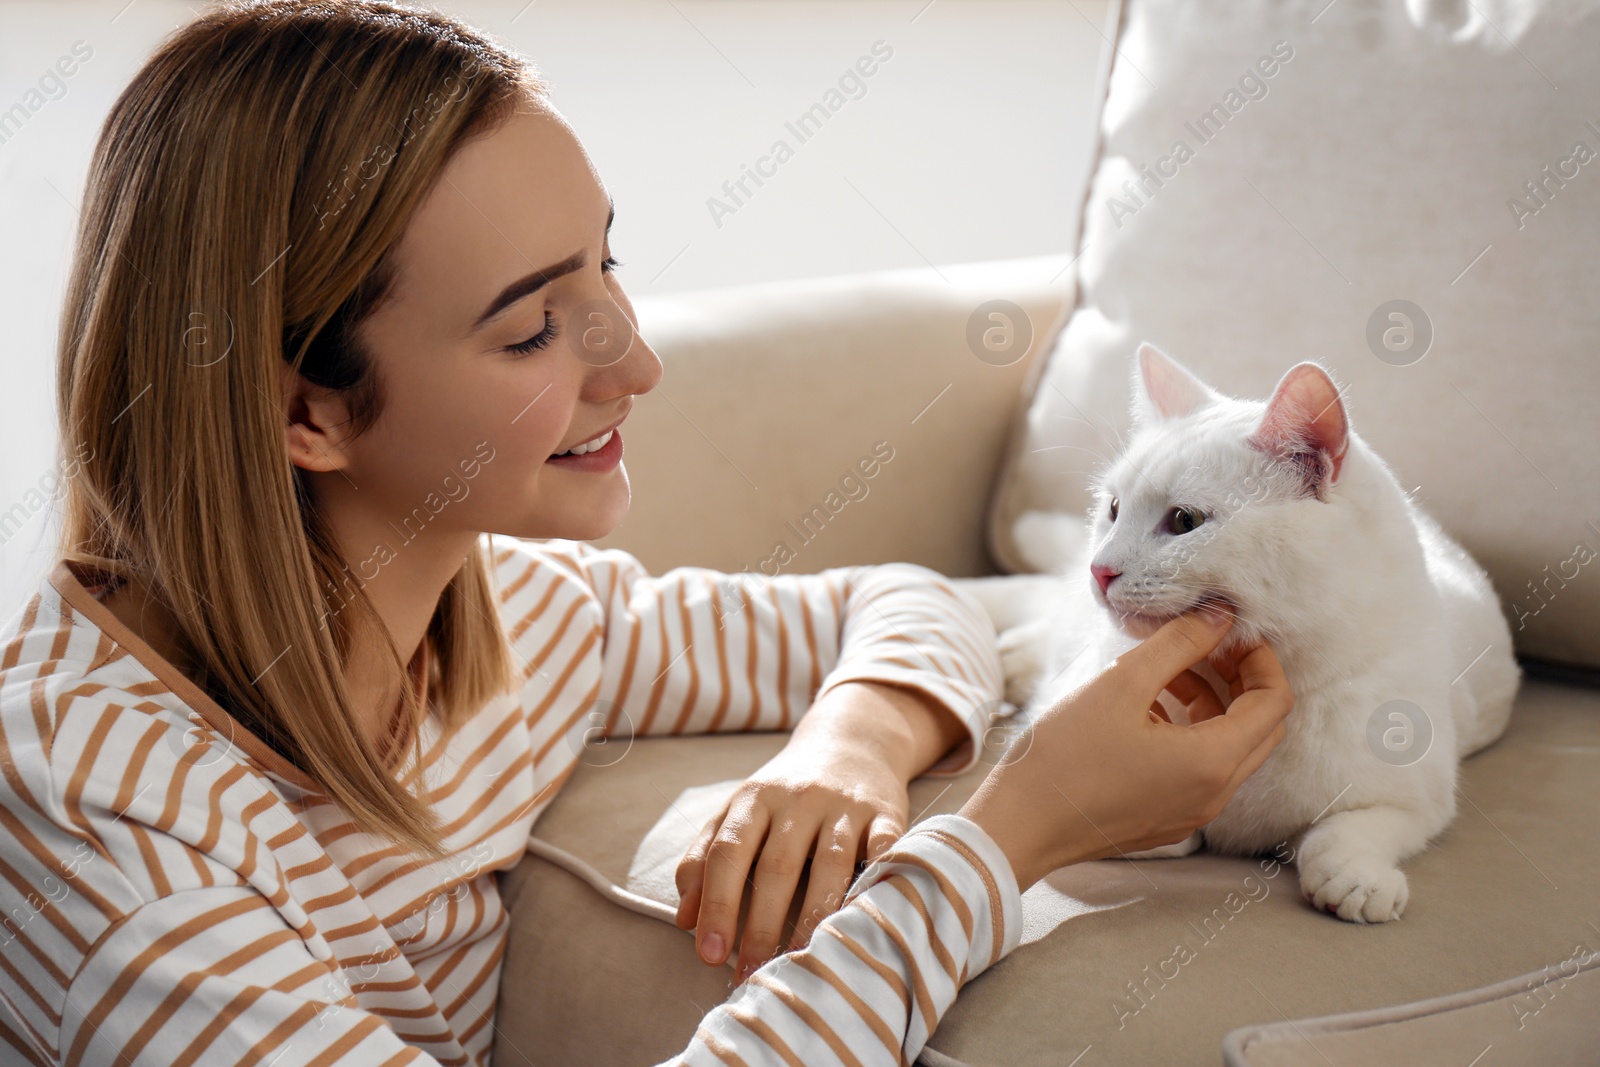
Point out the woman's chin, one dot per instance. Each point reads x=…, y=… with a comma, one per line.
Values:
x=586, y=520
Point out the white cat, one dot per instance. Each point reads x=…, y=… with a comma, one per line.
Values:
x=1389, y=633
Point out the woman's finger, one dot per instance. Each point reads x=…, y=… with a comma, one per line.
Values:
x=887, y=828
x=733, y=849
x=1226, y=661
x=1256, y=758
x=1159, y=712
x=1179, y=644
x=1259, y=669
x=1197, y=696
x=832, y=868
x=690, y=875
x=776, y=875
x=1264, y=700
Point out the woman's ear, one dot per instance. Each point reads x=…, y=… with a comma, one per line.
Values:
x=315, y=425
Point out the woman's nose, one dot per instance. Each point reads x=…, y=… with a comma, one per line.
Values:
x=643, y=367
x=603, y=334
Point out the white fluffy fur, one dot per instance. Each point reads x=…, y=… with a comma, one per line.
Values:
x=1361, y=595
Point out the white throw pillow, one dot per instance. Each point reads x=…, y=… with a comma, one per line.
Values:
x=1407, y=193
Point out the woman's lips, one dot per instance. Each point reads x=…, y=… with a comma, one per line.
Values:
x=601, y=459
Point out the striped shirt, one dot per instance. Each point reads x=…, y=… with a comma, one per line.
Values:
x=177, y=892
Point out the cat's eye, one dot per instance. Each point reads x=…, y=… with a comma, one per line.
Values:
x=1113, y=510
x=1183, y=519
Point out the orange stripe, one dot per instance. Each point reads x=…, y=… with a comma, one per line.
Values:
x=172, y=939
x=335, y=1052
x=873, y=1020
x=930, y=1018
x=957, y=903
x=534, y=613
x=940, y=952
x=538, y=659
x=485, y=972
x=626, y=681
x=724, y=682
x=46, y=1007
x=26, y=1048
x=783, y=658
x=722, y=1052
x=759, y=1027
x=811, y=647
x=750, y=658
x=235, y=1008
x=694, y=668
x=658, y=685
x=808, y=1015
x=185, y=987
x=996, y=907
x=49, y=861
x=13, y=651
x=513, y=587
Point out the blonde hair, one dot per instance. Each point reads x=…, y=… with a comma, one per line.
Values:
x=243, y=206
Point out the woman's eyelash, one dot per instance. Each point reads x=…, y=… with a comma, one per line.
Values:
x=543, y=338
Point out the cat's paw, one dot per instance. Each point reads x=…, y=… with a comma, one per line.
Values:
x=1358, y=889
x=1022, y=656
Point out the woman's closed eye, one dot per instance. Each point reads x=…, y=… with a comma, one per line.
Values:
x=543, y=338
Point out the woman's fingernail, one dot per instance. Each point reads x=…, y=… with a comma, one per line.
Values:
x=711, y=948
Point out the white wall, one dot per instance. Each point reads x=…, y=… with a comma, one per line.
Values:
x=970, y=143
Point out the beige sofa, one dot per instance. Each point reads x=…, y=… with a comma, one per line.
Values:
x=1363, y=158
x=769, y=395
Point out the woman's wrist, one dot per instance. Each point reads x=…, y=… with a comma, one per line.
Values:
x=1031, y=856
x=902, y=728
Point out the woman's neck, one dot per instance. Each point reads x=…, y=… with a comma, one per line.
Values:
x=373, y=691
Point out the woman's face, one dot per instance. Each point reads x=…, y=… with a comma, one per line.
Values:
x=509, y=249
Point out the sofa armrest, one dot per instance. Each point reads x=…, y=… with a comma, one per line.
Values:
x=846, y=419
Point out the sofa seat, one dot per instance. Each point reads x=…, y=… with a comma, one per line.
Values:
x=1150, y=961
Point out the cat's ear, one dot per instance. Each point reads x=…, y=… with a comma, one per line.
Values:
x=1305, y=425
x=1163, y=388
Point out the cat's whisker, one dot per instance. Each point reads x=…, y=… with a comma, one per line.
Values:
x=1080, y=448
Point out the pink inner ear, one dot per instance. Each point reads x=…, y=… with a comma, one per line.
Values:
x=1305, y=415
x=1170, y=388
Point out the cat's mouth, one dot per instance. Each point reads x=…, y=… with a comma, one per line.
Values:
x=1142, y=624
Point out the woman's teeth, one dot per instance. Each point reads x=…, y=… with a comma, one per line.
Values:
x=591, y=446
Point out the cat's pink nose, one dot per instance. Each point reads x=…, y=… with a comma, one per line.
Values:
x=1103, y=574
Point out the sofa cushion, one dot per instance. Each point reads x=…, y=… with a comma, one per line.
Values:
x=1276, y=182
x=1150, y=961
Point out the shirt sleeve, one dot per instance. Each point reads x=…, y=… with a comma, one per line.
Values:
x=215, y=975
x=96, y=973
x=932, y=913
x=696, y=650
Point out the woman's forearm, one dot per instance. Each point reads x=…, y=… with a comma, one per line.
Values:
x=909, y=729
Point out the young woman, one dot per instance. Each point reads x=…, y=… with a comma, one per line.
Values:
x=343, y=307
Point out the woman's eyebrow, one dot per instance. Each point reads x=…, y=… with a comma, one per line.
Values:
x=533, y=282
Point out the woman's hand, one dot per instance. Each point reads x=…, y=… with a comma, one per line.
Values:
x=835, y=794
x=1107, y=773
